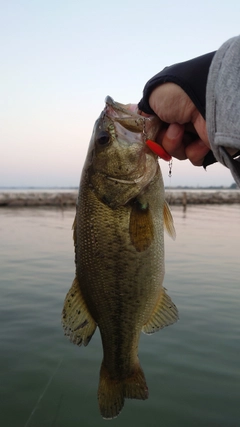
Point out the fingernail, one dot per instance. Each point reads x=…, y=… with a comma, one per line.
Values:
x=173, y=131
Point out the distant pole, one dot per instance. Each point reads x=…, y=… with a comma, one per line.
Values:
x=184, y=201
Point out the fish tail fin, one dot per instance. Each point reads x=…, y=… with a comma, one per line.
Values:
x=112, y=393
x=135, y=385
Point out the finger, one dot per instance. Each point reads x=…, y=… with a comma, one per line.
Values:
x=172, y=141
x=172, y=104
x=196, y=151
x=200, y=125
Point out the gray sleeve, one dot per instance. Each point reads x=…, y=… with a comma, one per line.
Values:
x=223, y=104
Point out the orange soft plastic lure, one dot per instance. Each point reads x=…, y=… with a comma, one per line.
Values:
x=157, y=149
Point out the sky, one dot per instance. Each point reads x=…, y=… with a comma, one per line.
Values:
x=60, y=59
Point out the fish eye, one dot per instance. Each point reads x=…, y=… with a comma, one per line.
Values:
x=103, y=138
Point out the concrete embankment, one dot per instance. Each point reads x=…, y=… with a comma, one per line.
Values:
x=67, y=199
x=199, y=197
x=34, y=199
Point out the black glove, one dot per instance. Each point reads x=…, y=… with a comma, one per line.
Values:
x=191, y=76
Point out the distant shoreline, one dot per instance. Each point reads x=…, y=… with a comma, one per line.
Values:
x=68, y=198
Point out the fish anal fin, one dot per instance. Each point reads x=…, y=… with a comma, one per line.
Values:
x=164, y=314
x=77, y=322
x=112, y=392
x=168, y=221
x=141, y=228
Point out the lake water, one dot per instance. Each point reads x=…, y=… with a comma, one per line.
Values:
x=192, y=368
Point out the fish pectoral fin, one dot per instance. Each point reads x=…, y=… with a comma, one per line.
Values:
x=112, y=392
x=141, y=228
x=77, y=322
x=164, y=314
x=168, y=221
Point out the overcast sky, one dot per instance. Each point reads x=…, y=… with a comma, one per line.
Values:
x=59, y=60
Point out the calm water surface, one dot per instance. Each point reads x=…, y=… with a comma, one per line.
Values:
x=192, y=368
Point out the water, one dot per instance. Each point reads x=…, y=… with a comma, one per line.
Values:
x=192, y=368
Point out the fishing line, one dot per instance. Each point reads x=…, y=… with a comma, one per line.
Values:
x=170, y=168
x=58, y=409
x=43, y=393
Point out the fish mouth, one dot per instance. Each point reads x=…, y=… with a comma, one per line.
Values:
x=131, y=120
x=117, y=106
x=132, y=128
x=122, y=114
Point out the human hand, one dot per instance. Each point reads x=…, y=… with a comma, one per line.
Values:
x=184, y=134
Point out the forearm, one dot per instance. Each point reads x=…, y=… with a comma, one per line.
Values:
x=223, y=105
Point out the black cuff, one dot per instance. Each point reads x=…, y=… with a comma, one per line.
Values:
x=209, y=159
x=191, y=76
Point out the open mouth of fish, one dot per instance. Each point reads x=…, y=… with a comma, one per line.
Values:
x=134, y=125
x=130, y=120
x=134, y=122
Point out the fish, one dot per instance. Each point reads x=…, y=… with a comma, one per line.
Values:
x=118, y=234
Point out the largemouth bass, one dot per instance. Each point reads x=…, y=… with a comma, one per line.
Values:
x=119, y=252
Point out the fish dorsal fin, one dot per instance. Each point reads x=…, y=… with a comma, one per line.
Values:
x=168, y=221
x=141, y=226
x=77, y=322
x=164, y=314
